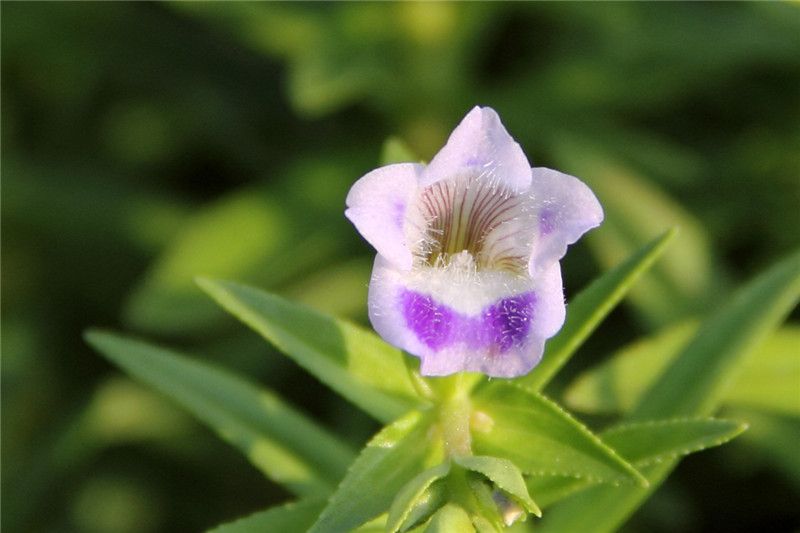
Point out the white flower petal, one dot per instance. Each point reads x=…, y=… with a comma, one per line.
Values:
x=565, y=209
x=378, y=203
x=481, y=144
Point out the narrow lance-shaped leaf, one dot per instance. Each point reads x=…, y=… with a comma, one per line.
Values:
x=682, y=282
x=338, y=289
x=541, y=438
x=698, y=380
x=294, y=517
x=351, y=360
x=233, y=237
x=391, y=459
x=616, y=384
x=769, y=379
x=552, y=489
x=281, y=442
x=643, y=444
x=712, y=359
x=590, y=307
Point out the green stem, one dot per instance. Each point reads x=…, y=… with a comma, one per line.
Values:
x=454, y=414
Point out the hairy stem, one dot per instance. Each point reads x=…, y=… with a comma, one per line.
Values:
x=454, y=415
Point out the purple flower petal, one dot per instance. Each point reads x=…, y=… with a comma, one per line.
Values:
x=378, y=203
x=463, y=326
x=566, y=209
x=467, y=275
x=481, y=146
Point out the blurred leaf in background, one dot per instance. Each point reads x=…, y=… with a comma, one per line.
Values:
x=144, y=144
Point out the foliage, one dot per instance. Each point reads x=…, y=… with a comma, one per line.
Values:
x=145, y=144
x=514, y=432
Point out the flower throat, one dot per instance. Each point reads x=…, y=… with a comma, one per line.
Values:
x=474, y=216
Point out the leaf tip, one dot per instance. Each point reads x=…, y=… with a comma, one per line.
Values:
x=205, y=283
x=671, y=233
x=667, y=236
x=214, y=288
x=94, y=336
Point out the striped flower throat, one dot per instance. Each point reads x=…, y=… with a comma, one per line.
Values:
x=471, y=222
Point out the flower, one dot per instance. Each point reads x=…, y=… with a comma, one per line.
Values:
x=467, y=275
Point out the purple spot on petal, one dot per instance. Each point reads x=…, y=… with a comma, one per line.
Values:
x=498, y=328
x=432, y=323
x=547, y=221
x=399, y=214
x=509, y=321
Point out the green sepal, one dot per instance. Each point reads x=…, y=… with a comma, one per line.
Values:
x=504, y=475
x=450, y=519
x=411, y=494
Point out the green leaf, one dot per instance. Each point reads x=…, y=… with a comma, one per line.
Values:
x=704, y=371
x=541, y=438
x=590, y=307
x=389, y=461
x=768, y=380
x=711, y=361
x=450, y=519
x=550, y=489
x=771, y=378
x=616, y=385
x=505, y=476
x=338, y=289
x=378, y=525
x=279, y=441
x=294, y=517
x=232, y=237
x=411, y=493
x=644, y=443
x=682, y=281
x=351, y=360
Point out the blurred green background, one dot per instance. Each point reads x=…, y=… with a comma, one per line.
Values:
x=144, y=144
